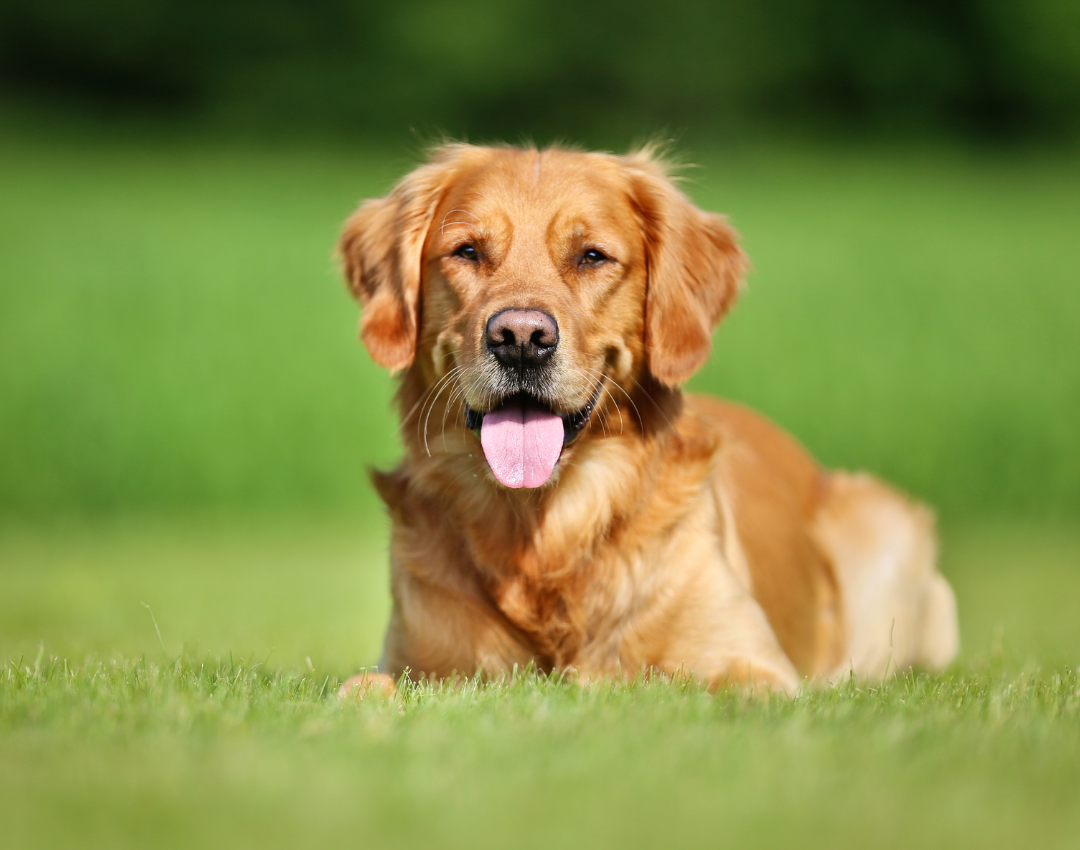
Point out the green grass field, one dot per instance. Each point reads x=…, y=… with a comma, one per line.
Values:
x=231, y=735
x=185, y=420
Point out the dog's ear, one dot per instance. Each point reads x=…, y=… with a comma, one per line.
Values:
x=381, y=249
x=695, y=270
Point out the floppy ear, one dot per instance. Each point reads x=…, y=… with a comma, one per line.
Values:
x=381, y=248
x=695, y=270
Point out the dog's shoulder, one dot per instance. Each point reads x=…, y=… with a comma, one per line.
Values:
x=769, y=488
x=753, y=446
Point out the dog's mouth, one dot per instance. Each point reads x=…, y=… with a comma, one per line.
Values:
x=523, y=438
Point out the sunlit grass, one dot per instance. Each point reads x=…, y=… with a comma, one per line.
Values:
x=181, y=752
x=230, y=734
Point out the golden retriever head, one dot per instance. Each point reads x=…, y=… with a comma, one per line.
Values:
x=531, y=284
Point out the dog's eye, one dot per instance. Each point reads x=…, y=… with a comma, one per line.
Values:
x=592, y=256
x=467, y=252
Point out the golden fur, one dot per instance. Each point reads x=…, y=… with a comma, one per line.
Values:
x=678, y=534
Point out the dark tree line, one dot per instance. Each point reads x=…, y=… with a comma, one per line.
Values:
x=547, y=67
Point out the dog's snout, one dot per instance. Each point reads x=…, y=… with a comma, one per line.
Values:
x=522, y=337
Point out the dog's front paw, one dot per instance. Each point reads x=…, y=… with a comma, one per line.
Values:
x=367, y=686
x=757, y=679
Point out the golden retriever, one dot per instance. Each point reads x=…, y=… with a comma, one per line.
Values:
x=561, y=502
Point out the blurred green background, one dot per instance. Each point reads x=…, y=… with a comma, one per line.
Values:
x=174, y=338
x=186, y=414
x=178, y=355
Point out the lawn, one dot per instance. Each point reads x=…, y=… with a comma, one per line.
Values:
x=191, y=557
x=230, y=735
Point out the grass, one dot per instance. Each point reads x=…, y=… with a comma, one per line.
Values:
x=182, y=754
x=229, y=735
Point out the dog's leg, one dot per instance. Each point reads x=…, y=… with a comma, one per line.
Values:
x=723, y=638
x=436, y=632
x=899, y=610
x=367, y=686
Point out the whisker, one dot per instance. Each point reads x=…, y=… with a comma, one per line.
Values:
x=443, y=385
x=412, y=410
x=654, y=404
x=428, y=397
x=608, y=379
x=622, y=389
x=459, y=393
x=622, y=424
x=438, y=388
x=450, y=399
x=455, y=394
x=477, y=379
x=600, y=420
x=601, y=416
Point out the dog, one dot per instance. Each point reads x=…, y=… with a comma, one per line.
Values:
x=562, y=503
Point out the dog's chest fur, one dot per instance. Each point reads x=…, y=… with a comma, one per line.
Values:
x=575, y=575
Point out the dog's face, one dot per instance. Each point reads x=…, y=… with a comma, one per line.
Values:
x=537, y=287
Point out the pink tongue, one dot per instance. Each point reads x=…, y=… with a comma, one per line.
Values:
x=522, y=445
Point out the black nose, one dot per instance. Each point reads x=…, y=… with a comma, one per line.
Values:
x=522, y=337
